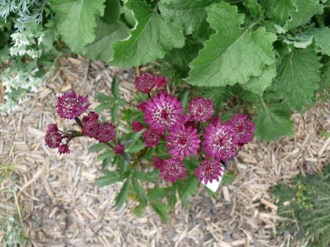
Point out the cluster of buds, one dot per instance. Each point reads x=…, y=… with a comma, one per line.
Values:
x=71, y=106
x=197, y=134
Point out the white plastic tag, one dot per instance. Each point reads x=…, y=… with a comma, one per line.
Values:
x=214, y=185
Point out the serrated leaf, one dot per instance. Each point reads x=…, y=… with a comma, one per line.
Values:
x=303, y=11
x=115, y=87
x=97, y=147
x=147, y=176
x=190, y=188
x=278, y=10
x=106, y=155
x=114, y=113
x=272, y=124
x=232, y=55
x=298, y=77
x=110, y=178
x=322, y=39
x=105, y=36
x=149, y=40
x=259, y=84
x=254, y=7
x=103, y=97
x=185, y=13
x=77, y=20
x=122, y=195
x=104, y=106
x=139, y=191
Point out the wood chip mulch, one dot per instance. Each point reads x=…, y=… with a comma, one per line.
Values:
x=62, y=207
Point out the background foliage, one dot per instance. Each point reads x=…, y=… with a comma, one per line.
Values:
x=274, y=55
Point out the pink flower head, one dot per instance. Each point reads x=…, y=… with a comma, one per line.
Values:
x=90, y=128
x=163, y=111
x=243, y=127
x=189, y=122
x=53, y=137
x=158, y=163
x=182, y=142
x=64, y=149
x=145, y=82
x=91, y=117
x=119, y=149
x=141, y=106
x=220, y=141
x=172, y=170
x=70, y=105
x=151, y=137
x=137, y=126
x=208, y=170
x=161, y=81
x=106, y=132
x=201, y=109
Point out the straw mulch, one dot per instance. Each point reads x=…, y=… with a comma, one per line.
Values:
x=62, y=207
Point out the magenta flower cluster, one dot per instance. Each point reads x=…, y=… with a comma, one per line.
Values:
x=70, y=106
x=197, y=133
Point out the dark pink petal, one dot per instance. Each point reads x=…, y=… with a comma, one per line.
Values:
x=70, y=105
x=201, y=109
x=137, y=126
x=151, y=137
x=119, y=149
x=53, y=137
x=145, y=82
x=243, y=127
x=209, y=170
x=158, y=163
x=172, y=170
x=161, y=81
x=64, y=149
x=106, y=132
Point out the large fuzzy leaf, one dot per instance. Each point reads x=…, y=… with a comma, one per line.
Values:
x=185, y=13
x=272, y=123
x=322, y=39
x=77, y=20
x=150, y=39
x=298, y=77
x=278, y=10
x=231, y=55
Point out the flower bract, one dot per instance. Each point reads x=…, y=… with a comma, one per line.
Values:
x=71, y=105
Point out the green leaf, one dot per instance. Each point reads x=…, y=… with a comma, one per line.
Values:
x=122, y=195
x=114, y=113
x=115, y=87
x=278, y=10
x=77, y=20
x=139, y=191
x=105, y=36
x=97, y=147
x=185, y=13
x=161, y=210
x=104, y=106
x=259, y=84
x=322, y=39
x=231, y=55
x=147, y=176
x=272, y=123
x=110, y=178
x=106, y=155
x=190, y=188
x=298, y=77
x=139, y=210
x=151, y=38
x=254, y=7
x=103, y=97
x=112, y=11
x=303, y=12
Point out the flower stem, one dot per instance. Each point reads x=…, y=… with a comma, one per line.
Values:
x=79, y=122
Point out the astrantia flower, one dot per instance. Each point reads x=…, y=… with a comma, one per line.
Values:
x=106, y=132
x=161, y=81
x=182, y=142
x=208, y=170
x=220, y=141
x=92, y=116
x=172, y=170
x=201, y=109
x=163, y=111
x=53, y=137
x=63, y=149
x=70, y=105
x=158, y=163
x=151, y=137
x=119, y=149
x=243, y=127
x=137, y=126
x=145, y=82
x=90, y=128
